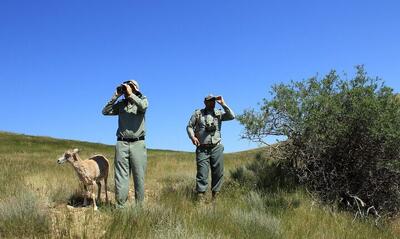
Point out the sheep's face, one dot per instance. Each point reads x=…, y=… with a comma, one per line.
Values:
x=68, y=156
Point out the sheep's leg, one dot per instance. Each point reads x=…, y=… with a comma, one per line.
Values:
x=105, y=185
x=85, y=195
x=94, y=197
x=98, y=191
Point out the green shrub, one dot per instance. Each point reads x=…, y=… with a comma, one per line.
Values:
x=342, y=137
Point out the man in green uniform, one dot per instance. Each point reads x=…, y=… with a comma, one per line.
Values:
x=130, y=150
x=204, y=129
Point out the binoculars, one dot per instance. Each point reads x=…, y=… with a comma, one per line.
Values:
x=121, y=89
x=217, y=98
x=212, y=98
x=210, y=127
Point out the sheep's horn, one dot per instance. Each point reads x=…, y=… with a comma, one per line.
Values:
x=76, y=151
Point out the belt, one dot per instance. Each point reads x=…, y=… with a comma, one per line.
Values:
x=130, y=139
x=208, y=145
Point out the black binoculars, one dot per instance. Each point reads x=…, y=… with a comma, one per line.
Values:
x=122, y=88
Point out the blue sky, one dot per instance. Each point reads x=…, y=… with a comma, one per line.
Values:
x=60, y=61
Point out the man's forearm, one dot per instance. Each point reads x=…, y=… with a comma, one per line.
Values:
x=190, y=132
x=108, y=108
x=229, y=114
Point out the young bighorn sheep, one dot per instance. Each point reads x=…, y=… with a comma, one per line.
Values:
x=89, y=171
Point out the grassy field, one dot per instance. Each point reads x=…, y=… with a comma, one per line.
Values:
x=35, y=192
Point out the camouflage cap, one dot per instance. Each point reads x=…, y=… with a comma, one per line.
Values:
x=209, y=97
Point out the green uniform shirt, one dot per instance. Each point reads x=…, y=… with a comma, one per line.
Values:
x=131, y=112
x=201, y=120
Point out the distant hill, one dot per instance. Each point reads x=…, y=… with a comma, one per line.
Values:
x=15, y=138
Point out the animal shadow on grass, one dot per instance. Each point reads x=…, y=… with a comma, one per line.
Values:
x=76, y=200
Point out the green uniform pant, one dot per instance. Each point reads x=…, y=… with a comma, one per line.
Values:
x=130, y=158
x=206, y=157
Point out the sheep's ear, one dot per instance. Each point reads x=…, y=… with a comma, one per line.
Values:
x=76, y=151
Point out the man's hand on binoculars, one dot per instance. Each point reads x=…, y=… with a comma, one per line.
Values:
x=117, y=93
x=128, y=90
x=220, y=100
x=135, y=89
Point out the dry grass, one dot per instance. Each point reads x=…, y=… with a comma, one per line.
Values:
x=36, y=191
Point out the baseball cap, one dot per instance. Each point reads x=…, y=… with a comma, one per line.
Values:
x=209, y=97
x=132, y=82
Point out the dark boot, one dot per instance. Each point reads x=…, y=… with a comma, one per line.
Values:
x=214, y=196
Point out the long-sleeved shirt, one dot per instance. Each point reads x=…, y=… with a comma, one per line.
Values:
x=131, y=115
x=197, y=126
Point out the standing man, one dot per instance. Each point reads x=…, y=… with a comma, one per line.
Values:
x=130, y=150
x=204, y=129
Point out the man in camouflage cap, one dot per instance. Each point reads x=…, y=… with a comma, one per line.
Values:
x=204, y=129
x=130, y=150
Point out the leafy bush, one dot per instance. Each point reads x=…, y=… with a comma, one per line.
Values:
x=342, y=137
